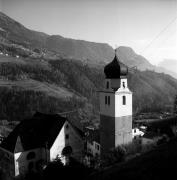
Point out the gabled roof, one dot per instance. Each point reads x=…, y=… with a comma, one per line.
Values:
x=163, y=122
x=39, y=131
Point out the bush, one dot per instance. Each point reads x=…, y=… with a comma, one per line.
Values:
x=133, y=148
x=116, y=155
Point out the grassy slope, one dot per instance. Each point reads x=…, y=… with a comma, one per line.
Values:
x=30, y=84
x=160, y=163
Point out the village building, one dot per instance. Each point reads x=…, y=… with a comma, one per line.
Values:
x=37, y=141
x=115, y=107
x=136, y=133
x=92, y=146
x=93, y=142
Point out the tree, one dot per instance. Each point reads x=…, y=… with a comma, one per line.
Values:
x=115, y=155
x=175, y=106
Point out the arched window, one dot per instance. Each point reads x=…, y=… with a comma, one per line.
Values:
x=124, y=100
x=30, y=155
x=107, y=85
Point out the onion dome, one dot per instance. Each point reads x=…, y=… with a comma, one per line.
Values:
x=115, y=69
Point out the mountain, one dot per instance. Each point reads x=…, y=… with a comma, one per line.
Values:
x=170, y=65
x=38, y=44
x=130, y=58
x=54, y=74
x=79, y=49
x=14, y=32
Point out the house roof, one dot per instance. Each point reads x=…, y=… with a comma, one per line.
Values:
x=164, y=125
x=163, y=122
x=39, y=131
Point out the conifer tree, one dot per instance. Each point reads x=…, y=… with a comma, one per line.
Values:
x=175, y=106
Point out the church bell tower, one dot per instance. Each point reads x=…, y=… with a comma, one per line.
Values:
x=115, y=107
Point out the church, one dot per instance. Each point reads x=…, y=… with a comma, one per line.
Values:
x=115, y=107
x=37, y=141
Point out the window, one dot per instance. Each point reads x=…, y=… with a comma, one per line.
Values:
x=67, y=126
x=108, y=100
x=123, y=84
x=30, y=155
x=67, y=136
x=124, y=100
x=97, y=147
x=107, y=85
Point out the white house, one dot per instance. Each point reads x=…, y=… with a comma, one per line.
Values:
x=37, y=141
x=137, y=133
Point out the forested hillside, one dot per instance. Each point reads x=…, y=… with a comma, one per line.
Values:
x=56, y=86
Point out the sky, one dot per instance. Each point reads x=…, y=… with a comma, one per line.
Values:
x=147, y=26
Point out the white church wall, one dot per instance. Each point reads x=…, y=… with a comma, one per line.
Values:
x=75, y=141
x=120, y=109
x=58, y=145
x=67, y=137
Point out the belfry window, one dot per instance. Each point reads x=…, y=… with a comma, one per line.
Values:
x=108, y=100
x=107, y=85
x=124, y=100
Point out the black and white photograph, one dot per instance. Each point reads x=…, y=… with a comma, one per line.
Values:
x=88, y=89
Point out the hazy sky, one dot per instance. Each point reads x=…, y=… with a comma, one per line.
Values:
x=148, y=26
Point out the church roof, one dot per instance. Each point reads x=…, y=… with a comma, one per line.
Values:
x=115, y=69
x=39, y=131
